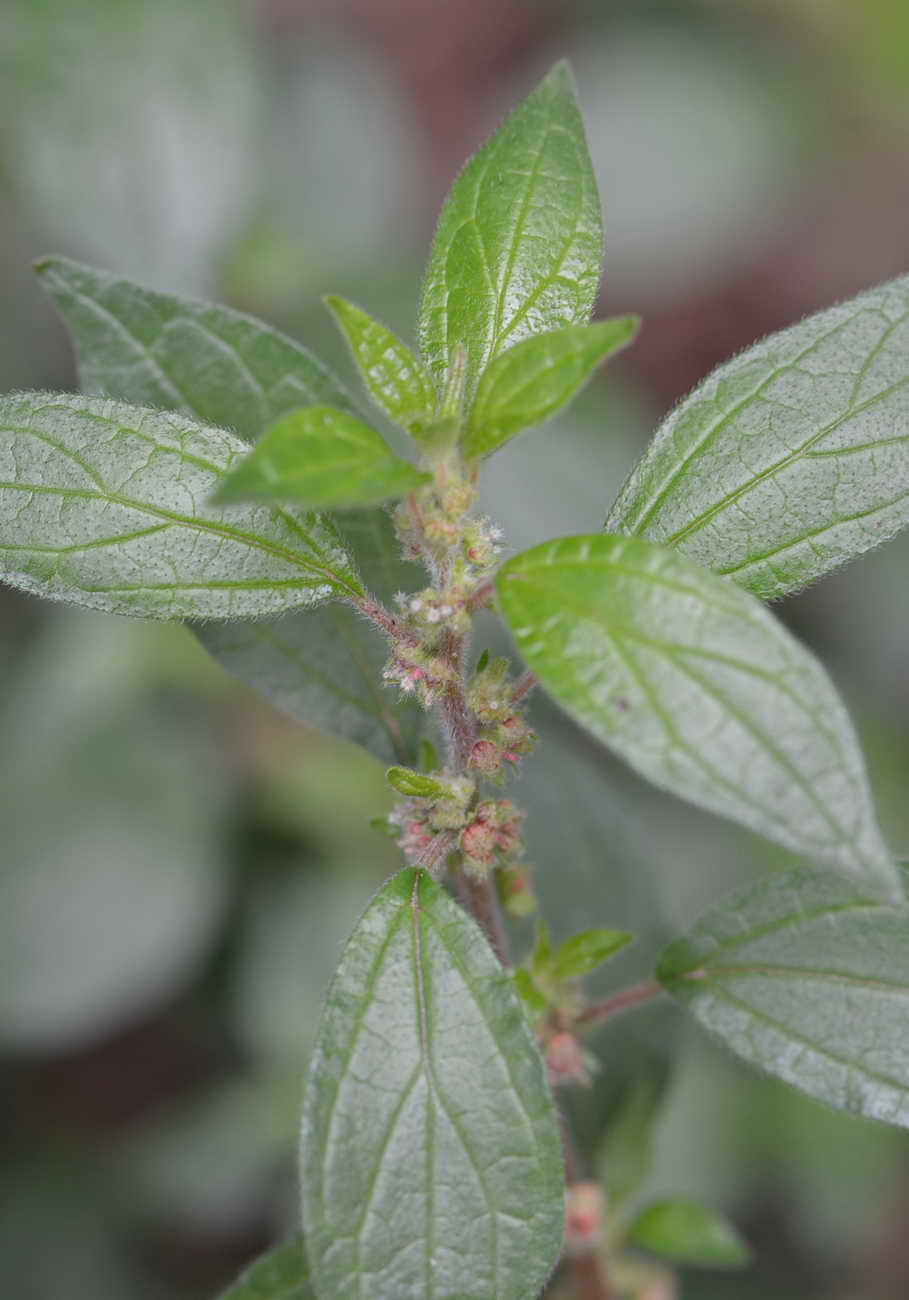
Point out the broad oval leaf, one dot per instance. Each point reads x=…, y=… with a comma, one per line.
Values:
x=791, y=459
x=154, y=349
x=279, y=1274
x=396, y=380
x=537, y=377
x=699, y=688
x=688, y=1233
x=320, y=458
x=431, y=1160
x=105, y=505
x=324, y=666
x=806, y=977
x=519, y=244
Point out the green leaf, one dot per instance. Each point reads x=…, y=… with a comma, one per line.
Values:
x=686, y=1233
x=280, y=1274
x=396, y=380
x=518, y=249
x=791, y=459
x=699, y=688
x=104, y=505
x=535, y=1003
x=537, y=377
x=431, y=1158
x=628, y=1148
x=416, y=784
x=584, y=952
x=324, y=666
x=320, y=458
x=807, y=977
x=207, y=361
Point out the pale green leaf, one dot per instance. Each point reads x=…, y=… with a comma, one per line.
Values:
x=416, y=784
x=324, y=666
x=106, y=505
x=320, y=458
x=699, y=688
x=519, y=245
x=537, y=377
x=791, y=459
x=807, y=977
x=431, y=1161
x=280, y=1274
x=396, y=380
x=584, y=952
x=535, y=1003
x=687, y=1233
x=153, y=349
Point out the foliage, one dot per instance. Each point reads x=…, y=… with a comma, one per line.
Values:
x=430, y=1162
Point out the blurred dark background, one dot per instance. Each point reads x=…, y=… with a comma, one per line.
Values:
x=179, y=865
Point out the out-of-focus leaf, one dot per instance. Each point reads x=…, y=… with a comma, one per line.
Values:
x=584, y=952
x=687, y=1233
x=280, y=1274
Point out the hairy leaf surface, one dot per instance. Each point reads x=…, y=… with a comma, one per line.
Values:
x=791, y=459
x=431, y=1160
x=698, y=686
x=280, y=1274
x=807, y=977
x=537, y=377
x=323, y=459
x=519, y=244
x=153, y=349
x=396, y=380
x=106, y=505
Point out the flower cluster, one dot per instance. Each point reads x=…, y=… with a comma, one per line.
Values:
x=419, y=671
x=492, y=836
x=421, y=820
x=504, y=736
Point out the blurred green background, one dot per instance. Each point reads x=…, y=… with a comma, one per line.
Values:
x=179, y=864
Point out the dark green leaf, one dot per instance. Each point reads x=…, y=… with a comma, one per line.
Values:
x=207, y=361
x=807, y=977
x=281, y=1274
x=431, y=1158
x=320, y=458
x=686, y=1233
x=627, y=1151
x=537, y=377
x=584, y=952
x=518, y=249
x=700, y=688
x=791, y=459
x=396, y=380
x=105, y=505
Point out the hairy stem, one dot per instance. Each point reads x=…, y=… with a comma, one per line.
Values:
x=598, y=1012
x=478, y=897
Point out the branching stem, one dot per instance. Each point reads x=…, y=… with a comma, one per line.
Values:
x=599, y=1012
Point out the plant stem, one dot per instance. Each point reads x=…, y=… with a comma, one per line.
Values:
x=479, y=898
x=589, y=1278
x=523, y=686
x=480, y=595
x=598, y=1012
x=458, y=720
x=376, y=612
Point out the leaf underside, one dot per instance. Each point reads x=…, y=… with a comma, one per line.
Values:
x=106, y=505
x=431, y=1162
x=700, y=688
x=807, y=978
x=791, y=459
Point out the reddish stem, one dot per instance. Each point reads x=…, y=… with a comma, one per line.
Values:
x=480, y=595
x=523, y=686
x=589, y=1278
x=598, y=1012
x=479, y=899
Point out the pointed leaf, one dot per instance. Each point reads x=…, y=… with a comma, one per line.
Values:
x=697, y=685
x=686, y=1233
x=584, y=952
x=320, y=458
x=104, y=505
x=791, y=459
x=431, y=1159
x=807, y=977
x=537, y=377
x=324, y=666
x=153, y=349
x=519, y=245
x=280, y=1274
x=396, y=380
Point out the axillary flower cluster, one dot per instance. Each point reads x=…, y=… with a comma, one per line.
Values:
x=444, y=819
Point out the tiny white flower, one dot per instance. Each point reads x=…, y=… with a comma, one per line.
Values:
x=433, y=616
x=416, y=606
